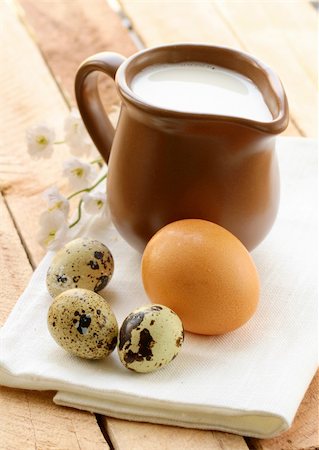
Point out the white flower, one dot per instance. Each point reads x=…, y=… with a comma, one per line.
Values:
x=76, y=135
x=56, y=200
x=80, y=174
x=40, y=140
x=95, y=203
x=53, y=229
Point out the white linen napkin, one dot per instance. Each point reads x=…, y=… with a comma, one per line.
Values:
x=250, y=381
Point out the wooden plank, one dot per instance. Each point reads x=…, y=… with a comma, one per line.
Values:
x=298, y=26
x=164, y=22
x=159, y=22
x=304, y=432
x=30, y=420
x=81, y=28
x=28, y=94
x=142, y=436
x=262, y=33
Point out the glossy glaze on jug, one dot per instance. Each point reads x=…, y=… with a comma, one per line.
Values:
x=166, y=165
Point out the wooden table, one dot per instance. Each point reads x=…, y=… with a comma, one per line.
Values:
x=41, y=44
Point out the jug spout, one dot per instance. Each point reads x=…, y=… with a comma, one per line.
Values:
x=262, y=76
x=275, y=98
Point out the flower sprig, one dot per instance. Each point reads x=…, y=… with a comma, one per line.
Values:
x=83, y=176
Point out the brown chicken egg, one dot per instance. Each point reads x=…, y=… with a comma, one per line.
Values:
x=203, y=273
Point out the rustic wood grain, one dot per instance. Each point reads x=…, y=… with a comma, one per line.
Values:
x=265, y=29
x=82, y=28
x=298, y=29
x=30, y=420
x=159, y=22
x=142, y=436
x=28, y=96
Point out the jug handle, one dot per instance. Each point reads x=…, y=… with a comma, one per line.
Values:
x=88, y=98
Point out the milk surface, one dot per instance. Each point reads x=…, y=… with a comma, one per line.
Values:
x=201, y=88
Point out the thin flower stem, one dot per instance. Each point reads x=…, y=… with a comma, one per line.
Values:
x=79, y=214
x=89, y=189
x=59, y=142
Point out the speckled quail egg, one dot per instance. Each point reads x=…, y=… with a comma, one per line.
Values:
x=82, y=263
x=150, y=337
x=82, y=323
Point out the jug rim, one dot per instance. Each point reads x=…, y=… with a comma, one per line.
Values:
x=236, y=58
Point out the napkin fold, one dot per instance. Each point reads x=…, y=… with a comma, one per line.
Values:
x=250, y=381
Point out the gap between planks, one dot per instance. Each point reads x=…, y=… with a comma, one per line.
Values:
x=15, y=265
x=145, y=436
x=18, y=231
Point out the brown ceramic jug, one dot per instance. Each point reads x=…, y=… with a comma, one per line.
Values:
x=167, y=165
